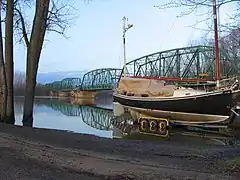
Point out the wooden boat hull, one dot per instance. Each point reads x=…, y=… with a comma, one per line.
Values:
x=211, y=107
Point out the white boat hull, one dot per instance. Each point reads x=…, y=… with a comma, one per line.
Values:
x=178, y=117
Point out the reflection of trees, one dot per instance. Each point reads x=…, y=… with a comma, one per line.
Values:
x=18, y=103
x=95, y=117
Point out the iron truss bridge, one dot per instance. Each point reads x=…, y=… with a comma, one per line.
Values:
x=101, y=79
x=66, y=84
x=188, y=64
x=98, y=79
x=95, y=117
x=183, y=63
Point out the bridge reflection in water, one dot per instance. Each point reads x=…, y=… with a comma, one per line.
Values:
x=96, y=117
x=67, y=114
x=123, y=128
x=103, y=120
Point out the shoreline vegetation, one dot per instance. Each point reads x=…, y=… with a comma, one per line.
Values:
x=19, y=90
x=56, y=154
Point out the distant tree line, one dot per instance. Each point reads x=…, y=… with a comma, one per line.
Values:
x=20, y=84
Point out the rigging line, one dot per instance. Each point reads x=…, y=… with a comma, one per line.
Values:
x=169, y=31
x=190, y=37
x=192, y=34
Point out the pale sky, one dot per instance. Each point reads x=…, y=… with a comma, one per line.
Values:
x=95, y=40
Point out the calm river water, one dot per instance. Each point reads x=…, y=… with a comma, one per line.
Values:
x=53, y=113
x=67, y=114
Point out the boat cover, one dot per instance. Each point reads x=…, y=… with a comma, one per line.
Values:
x=145, y=87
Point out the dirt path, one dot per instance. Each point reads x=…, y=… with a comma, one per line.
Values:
x=46, y=154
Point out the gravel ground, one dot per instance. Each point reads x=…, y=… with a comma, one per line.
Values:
x=31, y=153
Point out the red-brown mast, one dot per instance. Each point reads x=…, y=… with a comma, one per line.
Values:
x=217, y=75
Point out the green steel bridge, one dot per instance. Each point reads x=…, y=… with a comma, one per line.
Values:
x=182, y=63
x=96, y=117
x=98, y=79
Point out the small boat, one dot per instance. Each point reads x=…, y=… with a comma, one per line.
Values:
x=187, y=106
x=182, y=106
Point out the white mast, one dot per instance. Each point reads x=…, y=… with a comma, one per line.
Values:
x=125, y=28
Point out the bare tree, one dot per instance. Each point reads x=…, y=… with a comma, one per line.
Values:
x=3, y=82
x=50, y=15
x=9, y=61
x=203, y=9
x=33, y=55
x=231, y=43
x=59, y=17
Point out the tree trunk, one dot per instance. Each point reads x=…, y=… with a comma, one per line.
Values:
x=3, y=85
x=9, y=62
x=33, y=56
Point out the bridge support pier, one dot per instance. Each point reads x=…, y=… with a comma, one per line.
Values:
x=82, y=101
x=53, y=93
x=83, y=94
x=63, y=94
x=75, y=94
x=59, y=94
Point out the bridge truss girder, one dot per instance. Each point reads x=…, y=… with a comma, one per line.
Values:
x=66, y=84
x=101, y=79
x=188, y=62
x=97, y=118
x=54, y=86
x=70, y=83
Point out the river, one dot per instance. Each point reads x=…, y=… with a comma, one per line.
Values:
x=53, y=113
x=67, y=114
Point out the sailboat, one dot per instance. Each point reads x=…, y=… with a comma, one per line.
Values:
x=184, y=106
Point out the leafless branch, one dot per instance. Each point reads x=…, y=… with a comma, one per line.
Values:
x=23, y=27
x=230, y=31
x=60, y=16
x=197, y=6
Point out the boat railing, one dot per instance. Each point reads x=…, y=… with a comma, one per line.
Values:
x=230, y=83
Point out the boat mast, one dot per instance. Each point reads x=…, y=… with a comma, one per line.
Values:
x=125, y=28
x=217, y=69
x=124, y=47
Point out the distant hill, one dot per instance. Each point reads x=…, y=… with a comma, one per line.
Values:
x=58, y=76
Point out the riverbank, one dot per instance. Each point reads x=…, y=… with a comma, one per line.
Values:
x=28, y=153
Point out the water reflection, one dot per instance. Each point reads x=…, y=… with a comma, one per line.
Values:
x=124, y=128
x=104, y=99
x=95, y=117
x=61, y=114
x=68, y=114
